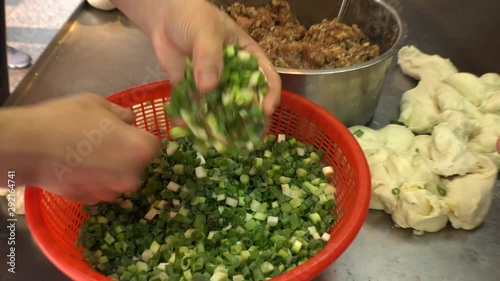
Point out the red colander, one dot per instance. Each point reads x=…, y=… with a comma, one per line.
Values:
x=55, y=222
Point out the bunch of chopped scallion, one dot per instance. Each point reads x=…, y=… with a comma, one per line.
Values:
x=215, y=217
x=228, y=118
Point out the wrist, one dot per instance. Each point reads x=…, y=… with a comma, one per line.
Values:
x=144, y=13
x=19, y=150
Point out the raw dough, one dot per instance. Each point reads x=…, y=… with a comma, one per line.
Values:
x=398, y=138
x=368, y=134
x=448, y=98
x=422, y=66
x=420, y=209
x=382, y=185
x=419, y=111
x=422, y=144
x=469, y=86
x=485, y=142
x=372, y=143
x=449, y=150
x=492, y=80
x=446, y=172
x=492, y=104
x=469, y=197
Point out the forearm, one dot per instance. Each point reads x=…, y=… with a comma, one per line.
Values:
x=17, y=146
x=141, y=11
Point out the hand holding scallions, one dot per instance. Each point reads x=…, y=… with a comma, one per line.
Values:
x=228, y=118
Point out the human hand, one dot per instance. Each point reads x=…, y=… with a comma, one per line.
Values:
x=196, y=29
x=82, y=147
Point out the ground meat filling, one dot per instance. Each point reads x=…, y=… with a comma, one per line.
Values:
x=289, y=44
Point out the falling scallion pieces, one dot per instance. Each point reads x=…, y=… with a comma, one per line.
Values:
x=228, y=118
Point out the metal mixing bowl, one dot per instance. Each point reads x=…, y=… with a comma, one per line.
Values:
x=350, y=93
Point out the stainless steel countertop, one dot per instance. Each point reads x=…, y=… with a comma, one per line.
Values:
x=103, y=52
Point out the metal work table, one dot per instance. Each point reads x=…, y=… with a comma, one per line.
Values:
x=103, y=52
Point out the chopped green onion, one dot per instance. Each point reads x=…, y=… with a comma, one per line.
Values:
x=101, y=219
x=231, y=202
x=171, y=147
x=151, y=214
x=183, y=211
x=281, y=138
x=296, y=202
x=248, y=217
x=254, y=206
x=109, y=239
x=441, y=191
x=358, y=133
x=314, y=156
x=146, y=255
x=328, y=171
x=200, y=172
x=142, y=266
x=244, y=179
x=315, y=218
x=285, y=180
x=178, y=169
x=260, y=216
x=297, y=245
x=238, y=277
x=272, y=220
x=326, y=236
x=268, y=154
x=154, y=247
x=328, y=188
x=221, y=197
x=187, y=275
x=173, y=186
x=228, y=118
x=266, y=267
x=127, y=204
x=301, y=173
x=212, y=216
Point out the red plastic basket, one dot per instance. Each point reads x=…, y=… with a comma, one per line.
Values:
x=55, y=222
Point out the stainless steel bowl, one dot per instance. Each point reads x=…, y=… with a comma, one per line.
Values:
x=350, y=93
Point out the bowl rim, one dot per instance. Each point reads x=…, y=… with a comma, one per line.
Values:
x=402, y=35
x=345, y=234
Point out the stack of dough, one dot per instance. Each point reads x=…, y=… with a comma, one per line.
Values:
x=442, y=165
x=442, y=91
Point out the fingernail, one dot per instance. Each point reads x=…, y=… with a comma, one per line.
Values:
x=125, y=114
x=116, y=109
x=207, y=79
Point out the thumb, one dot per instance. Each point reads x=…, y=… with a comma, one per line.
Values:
x=125, y=114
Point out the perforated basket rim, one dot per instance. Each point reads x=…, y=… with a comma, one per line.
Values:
x=344, y=235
